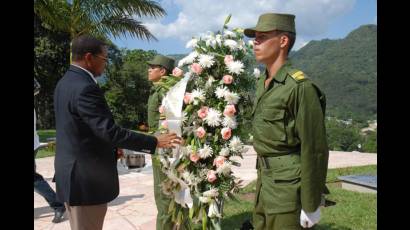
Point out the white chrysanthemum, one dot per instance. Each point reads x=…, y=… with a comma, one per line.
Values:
x=218, y=39
x=187, y=150
x=198, y=94
x=206, y=61
x=210, y=40
x=256, y=72
x=188, y=177
x=192, y=43
x=231, y=98
x=250, y=43
x=236, y=144
x=235, y=67
x=205, y=200
x=242, y=45
x=191, y=57
x=228, y=33
x=224, y=169
x=221, y=91
x=213, y=192
x=232, y=44
x=213, y=118
x=205, y=152
x=224, y=152
x=230, y=122
x=209, y=82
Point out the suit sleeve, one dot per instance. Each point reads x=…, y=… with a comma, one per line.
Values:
x=310, y=128
x=93, y=110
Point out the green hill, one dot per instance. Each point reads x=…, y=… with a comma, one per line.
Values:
x=346, y=69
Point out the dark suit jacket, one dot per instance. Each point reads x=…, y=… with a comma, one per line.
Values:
x=85, y=162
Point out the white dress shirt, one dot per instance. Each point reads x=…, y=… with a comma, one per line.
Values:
x=92, y=76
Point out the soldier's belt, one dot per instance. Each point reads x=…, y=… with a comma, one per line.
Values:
x=278, y=161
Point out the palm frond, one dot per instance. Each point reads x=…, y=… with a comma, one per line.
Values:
x=122, y=25
x=55, y=13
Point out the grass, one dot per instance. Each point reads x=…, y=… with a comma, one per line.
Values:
x=353, y=210
x=43, y=135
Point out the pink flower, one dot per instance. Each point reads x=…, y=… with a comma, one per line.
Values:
x=211, y=176
x=228, y=59
x=196, y=68
x=226, y=133
x=161, y=109
x=187, y=98
x=194, y=157
x=229, y=110
x=219, y=161
x=177, y=72
x=228, y=79
x=203, y=112
x=164, y=124
x=200, y=132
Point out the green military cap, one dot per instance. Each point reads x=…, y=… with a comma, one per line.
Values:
x=271, y=21
x=166, y=62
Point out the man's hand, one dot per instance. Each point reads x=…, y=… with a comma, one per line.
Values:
x=168, y=140
x=308, y=219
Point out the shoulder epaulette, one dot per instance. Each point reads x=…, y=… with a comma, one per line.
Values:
x=297, y=75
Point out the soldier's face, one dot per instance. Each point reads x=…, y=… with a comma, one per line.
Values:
x=267, y=46
x=155, y=72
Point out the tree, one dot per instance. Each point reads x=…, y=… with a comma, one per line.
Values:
x=51, y=50
x=101, y=18
x=342, y=137
x=127, y=87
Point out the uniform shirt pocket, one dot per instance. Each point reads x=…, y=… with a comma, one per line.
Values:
x=273, y=124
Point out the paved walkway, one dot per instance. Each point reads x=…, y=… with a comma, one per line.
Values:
x=134, y=208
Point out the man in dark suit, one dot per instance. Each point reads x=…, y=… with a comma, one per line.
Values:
x=85, y=163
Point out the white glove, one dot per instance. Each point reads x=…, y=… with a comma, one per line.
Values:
x=308, y=219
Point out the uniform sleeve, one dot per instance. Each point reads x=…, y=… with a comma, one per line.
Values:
x=93, y=109
x=310, y=129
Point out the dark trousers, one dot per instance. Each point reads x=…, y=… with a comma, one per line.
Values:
x=43, y=188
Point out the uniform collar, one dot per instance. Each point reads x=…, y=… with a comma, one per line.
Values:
x=282, y=72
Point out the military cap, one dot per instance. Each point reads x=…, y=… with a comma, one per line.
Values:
x=166, y=62
x=272, y=21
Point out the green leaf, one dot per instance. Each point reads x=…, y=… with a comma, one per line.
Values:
x=171, y=206
x=227, y=19
x=179, y=218
x=204, y=219
x=191, y=212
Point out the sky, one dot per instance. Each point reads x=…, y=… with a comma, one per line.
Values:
x=315, y=20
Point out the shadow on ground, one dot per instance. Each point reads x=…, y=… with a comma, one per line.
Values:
x=331, y=226
x=122, y=199
x=42, y=212
x=235, y=222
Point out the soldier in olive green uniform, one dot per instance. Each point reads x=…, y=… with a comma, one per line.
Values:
x=289, y=133
x=158, y=67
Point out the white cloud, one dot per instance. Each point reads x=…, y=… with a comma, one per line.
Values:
x=312, y=16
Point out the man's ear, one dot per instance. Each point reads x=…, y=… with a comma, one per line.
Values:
x=163, y=71
x=88, y=57
x=284, y=41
